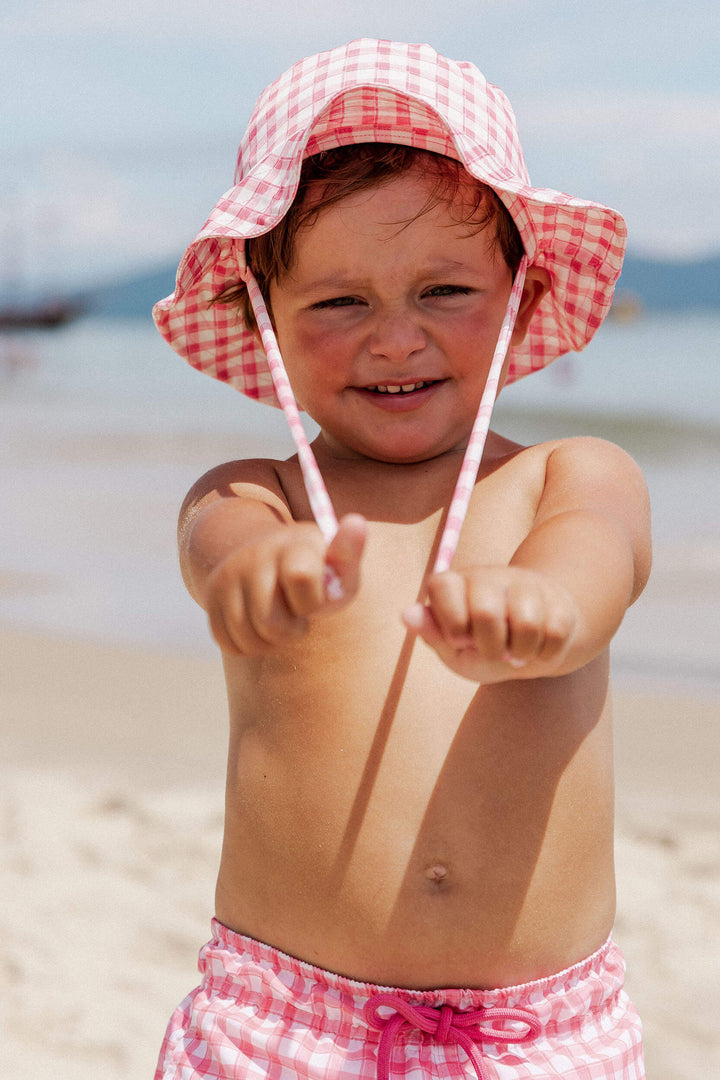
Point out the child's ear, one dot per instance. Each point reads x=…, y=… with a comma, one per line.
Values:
x=537, y=283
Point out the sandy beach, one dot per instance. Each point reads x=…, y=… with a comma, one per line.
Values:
x=112, y=780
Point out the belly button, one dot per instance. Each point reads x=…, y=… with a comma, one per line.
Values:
x=437, y=874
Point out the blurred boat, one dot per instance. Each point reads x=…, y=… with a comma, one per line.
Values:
x=42, y=315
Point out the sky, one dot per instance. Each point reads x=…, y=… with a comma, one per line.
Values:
x=120, y=119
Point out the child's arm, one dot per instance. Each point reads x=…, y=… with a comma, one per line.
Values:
x=567, y=587
x=257, y=573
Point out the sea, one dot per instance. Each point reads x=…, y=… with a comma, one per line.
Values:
x=103, y=429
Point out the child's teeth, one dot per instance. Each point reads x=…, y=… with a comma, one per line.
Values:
x=404, y=388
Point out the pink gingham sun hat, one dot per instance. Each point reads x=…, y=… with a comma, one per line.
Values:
x=382, y=91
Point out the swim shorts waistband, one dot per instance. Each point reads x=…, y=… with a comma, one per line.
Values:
x=597, y=976
x=261, y=1012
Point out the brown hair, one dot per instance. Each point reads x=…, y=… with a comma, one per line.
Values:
x=328, y=177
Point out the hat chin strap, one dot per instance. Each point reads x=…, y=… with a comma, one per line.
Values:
x=478, y=435
x=314, y=484
x=317, y=492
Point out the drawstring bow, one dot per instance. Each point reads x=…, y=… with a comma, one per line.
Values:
x=444, y=1024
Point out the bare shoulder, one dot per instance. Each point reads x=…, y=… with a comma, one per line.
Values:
x=590, y=468
x=585, y=448
x=222, y=510
x=584, y=458
x=597, y=477
x=221, y=500
x=252, y=478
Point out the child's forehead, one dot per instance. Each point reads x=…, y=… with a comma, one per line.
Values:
x=391, y=228
x=410, y=197
x=416, y=199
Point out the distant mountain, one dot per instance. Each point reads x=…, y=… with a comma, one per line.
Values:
x=646, y=284
x=133, y=297
x=670, y=286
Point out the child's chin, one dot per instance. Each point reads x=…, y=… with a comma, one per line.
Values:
x=405, y=452
x=407, y=455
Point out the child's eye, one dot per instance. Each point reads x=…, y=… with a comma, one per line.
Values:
x=448, y=290
x=336, y=302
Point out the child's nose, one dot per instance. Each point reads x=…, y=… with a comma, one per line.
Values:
x=396, y=336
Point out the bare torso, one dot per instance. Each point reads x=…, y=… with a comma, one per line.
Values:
x=390, y=820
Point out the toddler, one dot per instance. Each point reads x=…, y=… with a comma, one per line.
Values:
x=414, y=613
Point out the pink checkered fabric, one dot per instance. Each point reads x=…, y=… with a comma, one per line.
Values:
x=259, y=1013
x=383, y=91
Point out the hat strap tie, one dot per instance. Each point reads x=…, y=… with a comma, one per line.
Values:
x=320, y=504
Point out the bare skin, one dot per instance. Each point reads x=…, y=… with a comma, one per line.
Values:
x=420, y=786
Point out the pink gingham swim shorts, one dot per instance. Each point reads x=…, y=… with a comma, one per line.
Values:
x=259, y=1013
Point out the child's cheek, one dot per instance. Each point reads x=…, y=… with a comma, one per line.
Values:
x=320, y=346
x=313, y=358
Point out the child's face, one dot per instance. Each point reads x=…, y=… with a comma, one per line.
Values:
x=372, y=305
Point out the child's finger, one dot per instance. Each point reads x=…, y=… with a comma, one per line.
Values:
x=301, y=576
x=234, y=629
x=526, y=615
x=222, y=627
x=488, y=617
x=561, y=622
x=344, y=552
x=460, y=654
x=225, y=608
x=420, y=620
x=447, y=599
x=268, y=618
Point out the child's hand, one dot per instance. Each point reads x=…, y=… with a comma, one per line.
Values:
x=492, y=623
x=261, y=596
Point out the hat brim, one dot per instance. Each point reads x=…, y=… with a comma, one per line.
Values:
x=580, y=244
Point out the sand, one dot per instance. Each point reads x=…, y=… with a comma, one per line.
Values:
x=112, y=780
